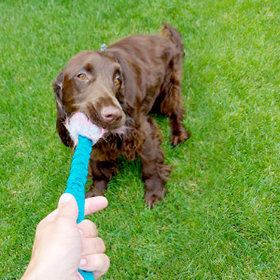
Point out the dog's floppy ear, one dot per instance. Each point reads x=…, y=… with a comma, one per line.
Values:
x=61, y=113
x=57, y=88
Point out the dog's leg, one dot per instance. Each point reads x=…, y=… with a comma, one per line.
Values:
x=154, y=171
x=102, y=173
x=171, y=101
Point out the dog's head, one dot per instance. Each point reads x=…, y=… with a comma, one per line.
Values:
x=92, y=83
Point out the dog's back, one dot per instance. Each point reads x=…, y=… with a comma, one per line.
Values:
x=147, y=59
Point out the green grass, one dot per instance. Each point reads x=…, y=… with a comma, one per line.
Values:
x=220, y=219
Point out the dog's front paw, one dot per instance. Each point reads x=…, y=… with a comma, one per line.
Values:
x=93, y=193
x=179, y=136
x=155, y=196
x=97, y=189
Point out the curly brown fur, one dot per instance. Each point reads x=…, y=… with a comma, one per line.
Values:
x=117, y=90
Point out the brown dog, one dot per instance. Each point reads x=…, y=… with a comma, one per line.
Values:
x=116, y=89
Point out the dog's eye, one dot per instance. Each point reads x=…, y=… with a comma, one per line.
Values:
x=81, y=76
x=117, y=82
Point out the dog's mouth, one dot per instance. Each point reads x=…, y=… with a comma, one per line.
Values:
x=118, y=131
x=118, y=128
x=111, y=124
x=121, y=130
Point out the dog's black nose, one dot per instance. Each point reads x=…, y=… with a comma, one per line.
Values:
x=111, y=114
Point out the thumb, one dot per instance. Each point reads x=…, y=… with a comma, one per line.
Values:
x=67, y=207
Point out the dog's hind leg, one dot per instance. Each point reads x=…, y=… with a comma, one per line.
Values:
x=171, y=102
x=170, y=98
x=154, y=171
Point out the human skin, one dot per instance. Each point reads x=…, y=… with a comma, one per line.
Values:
x=61, y=246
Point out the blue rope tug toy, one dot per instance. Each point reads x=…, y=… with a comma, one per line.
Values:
x=84, y=134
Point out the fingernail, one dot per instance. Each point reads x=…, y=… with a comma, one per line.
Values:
x=81, y=232
x=83, y=262
x=65, y=198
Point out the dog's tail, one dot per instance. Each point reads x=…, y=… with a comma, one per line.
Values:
x=173, y=34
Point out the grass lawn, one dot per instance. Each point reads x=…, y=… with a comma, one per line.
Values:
x=220, y=219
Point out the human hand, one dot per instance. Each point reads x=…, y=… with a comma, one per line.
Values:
x=62, y=246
